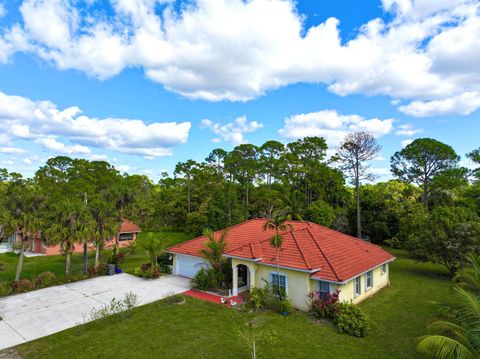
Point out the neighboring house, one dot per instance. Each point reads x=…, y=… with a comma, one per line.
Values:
x=312, y=258
x=128, y=233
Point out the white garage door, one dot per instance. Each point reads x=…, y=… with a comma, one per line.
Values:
x=188, y=266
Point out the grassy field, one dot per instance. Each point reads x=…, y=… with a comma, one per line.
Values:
x=197, y=329
x=32, y=266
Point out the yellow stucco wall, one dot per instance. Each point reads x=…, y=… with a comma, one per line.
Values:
x=299, y=284
x=347, y=291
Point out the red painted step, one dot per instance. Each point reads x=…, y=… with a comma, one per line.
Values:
x=209, y=297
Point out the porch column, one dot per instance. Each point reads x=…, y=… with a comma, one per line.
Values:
x=252, y=277
x=235, y=281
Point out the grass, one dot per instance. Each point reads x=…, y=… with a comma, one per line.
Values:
x=32, y=266
x=198, y=329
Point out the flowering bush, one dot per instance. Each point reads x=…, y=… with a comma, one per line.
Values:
x=347, y=317
x=327, y=307
x=45, y=279
x=148, y=271
x=23, y=285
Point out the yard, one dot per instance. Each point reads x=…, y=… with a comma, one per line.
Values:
x=32, y=266
x=198, y=329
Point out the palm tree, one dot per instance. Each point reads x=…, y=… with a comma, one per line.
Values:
x=68, y=223
x=469, y=279
x=22, y=205
x=213, y=252
x=292, y=206
x=106, y=226
x=459, y=336
x=153, y=245
x=277, y=224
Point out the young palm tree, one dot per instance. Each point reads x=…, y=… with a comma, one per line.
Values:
x=67, y=224
x=213, y=252
x=469, y=279
x=154, y=247
x=458, y=337
x=277, y=224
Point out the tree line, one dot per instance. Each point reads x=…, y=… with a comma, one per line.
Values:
x=431, y=206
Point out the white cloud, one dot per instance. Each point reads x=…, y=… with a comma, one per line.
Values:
x=237, y=50
x=406, y=142
x=233, y=132
x=43, y=123
x=463, y=104
x=407, y=130
x=13, y=150
x=50, y=143
x=332, y=126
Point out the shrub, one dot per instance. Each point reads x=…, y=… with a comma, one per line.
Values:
x=23, y=285
x=265, y=299
x=102, y=269
x=206, y=279
x=164, y=262
x=173, y=298
x=5, y=289
x=324, y=307
x=45, y=279
x=124, y=306
x=131, y=247
x=147, y=271
x=351, y=320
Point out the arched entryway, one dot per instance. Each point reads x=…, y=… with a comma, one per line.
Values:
x=243, y=277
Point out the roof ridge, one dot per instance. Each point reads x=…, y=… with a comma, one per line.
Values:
x=301, y=251
x=323, y=254
x=220, y=230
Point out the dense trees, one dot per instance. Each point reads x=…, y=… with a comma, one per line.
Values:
x=295, y=179
x=428, y=163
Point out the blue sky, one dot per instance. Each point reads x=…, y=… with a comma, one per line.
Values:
x=147, y=83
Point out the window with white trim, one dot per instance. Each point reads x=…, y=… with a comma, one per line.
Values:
x=384, y=268
x=125, y=237
x=274, y=282
x=323, y=289
x=369, y=279
x=358, y=286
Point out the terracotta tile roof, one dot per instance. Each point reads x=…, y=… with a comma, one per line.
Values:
x=128, y=226
x=325, y=253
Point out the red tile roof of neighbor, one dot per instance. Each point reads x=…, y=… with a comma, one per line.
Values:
x=128, y=226
x=324, y=253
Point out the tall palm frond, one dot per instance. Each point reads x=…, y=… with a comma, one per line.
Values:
x=459, y=336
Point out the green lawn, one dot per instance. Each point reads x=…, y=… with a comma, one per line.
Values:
x=32, y=266
x=198, y=329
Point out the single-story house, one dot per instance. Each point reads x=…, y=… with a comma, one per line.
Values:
x=312, y=258
x=127, y=233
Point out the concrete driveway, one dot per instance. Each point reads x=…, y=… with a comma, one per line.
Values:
x=42, y=312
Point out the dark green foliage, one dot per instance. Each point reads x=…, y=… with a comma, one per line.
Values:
x=148, y=271
x=320, y=212
x=45, y=279
x=165, y=262
x=447, y=236
x=351, y=320
x=265, y=298
x=23, y=285
x=206, y=279
x=428, y=163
